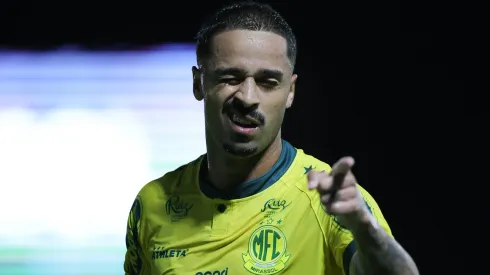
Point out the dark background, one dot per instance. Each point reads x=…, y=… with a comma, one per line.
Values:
x=383, y=82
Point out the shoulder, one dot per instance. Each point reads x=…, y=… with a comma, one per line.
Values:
x=180, y=179
x=305, y=163
x=312, y=162
x=298, y=178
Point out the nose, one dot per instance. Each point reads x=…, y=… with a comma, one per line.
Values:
x=247, y=93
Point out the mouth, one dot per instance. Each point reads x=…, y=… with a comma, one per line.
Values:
x=243, y=124
x=243, y=121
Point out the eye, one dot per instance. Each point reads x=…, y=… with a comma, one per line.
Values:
x=230, y=81
x=268, y=83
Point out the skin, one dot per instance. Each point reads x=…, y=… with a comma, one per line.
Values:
x=377, y=252
x=249, y=71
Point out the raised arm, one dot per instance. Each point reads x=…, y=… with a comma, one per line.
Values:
x=379, y=253
x=358, y=234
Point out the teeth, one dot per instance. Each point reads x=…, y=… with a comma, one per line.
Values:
x=240, y=120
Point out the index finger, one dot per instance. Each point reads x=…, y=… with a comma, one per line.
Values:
x=339, y=170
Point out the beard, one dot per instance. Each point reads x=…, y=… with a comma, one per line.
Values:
x=240, y=150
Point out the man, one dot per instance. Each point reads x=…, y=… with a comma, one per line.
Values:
x=254, y=203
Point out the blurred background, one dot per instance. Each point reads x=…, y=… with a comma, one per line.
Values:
x=96, y=100
x=80, y=133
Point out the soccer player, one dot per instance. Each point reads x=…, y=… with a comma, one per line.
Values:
x=254, y=204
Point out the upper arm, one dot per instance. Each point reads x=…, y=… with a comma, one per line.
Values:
x=133, y=262
x=341, y=241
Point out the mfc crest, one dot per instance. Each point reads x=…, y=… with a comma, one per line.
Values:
x=267, y=251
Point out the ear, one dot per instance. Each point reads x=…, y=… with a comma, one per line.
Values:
x=292, y=89
x=196, y=84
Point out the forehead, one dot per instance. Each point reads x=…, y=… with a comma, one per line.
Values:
x=249, y=50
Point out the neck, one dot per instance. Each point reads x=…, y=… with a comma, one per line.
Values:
x=226, y=171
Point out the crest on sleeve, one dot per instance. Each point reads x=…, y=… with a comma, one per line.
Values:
x=132, y=236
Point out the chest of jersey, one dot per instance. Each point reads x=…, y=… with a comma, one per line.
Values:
x=263, y=235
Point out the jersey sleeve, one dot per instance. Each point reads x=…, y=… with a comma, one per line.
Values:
x=134, y=262
x=341, y=241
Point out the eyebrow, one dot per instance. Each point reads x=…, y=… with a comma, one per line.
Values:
x=271, y=73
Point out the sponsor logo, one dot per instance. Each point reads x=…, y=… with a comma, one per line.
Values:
x=275, y=205
x=163, y=253
x=177, y=208
x=216, y=272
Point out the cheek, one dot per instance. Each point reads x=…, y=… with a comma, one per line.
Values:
x=279, y=107
x=212, y=99
x=213, y=104
x=275, y=112
x=216, y=94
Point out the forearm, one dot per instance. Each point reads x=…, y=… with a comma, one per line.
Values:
x=379, y=254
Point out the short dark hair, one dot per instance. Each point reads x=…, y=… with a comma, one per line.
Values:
x=245, y=16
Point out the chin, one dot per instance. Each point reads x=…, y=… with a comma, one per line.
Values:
x=241, y=150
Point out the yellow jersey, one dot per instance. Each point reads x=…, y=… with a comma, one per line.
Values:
x=179, y=224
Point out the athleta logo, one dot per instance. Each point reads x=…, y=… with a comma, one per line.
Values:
x=274, y=204
x=161, y=253
x=177, y=208
x=217, y=272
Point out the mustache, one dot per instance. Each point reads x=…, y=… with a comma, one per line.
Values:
x=237, y=106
